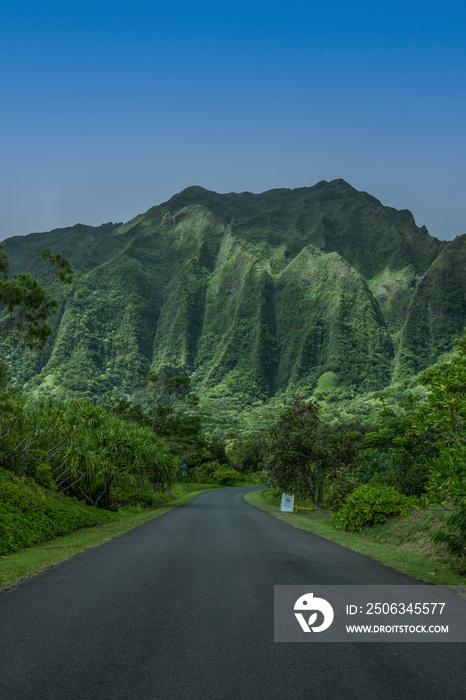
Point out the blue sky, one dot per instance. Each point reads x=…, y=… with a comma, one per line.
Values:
x=108, y=108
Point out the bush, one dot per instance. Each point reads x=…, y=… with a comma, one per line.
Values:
x=43, y=476
x=30, y=515
x=368, y=505
x=453, y=536
x=214, y=473
x=226, y=476
x=204, y=474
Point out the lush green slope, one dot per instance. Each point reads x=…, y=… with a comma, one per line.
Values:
x=30, y=514
x=437, y=313
x=250, y=294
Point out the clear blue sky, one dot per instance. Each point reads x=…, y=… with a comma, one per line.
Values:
x=111, y=107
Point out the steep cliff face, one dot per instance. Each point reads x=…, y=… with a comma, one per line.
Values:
x=249, y=294
x=437, y=313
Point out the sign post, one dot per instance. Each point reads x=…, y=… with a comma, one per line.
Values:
x=287, y=502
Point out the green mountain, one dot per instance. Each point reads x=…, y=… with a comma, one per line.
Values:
x=250, y=294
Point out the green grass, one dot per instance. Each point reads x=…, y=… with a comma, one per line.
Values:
x=383, y=544
x=31, y=561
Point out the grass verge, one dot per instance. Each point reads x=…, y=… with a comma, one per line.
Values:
x=28, y=562
x=405, y=561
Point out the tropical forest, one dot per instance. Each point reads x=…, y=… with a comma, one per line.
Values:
x=306, y=341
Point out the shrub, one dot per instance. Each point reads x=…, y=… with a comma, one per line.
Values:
x=215, y=473
x=204, y=473
x=43, y=476
x=226, y=476
x=30, y=515
x=453, y=536
x=368, y=505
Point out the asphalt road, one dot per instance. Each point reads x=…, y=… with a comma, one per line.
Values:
x=182, y=607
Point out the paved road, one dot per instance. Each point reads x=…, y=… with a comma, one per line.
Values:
x=182, y=607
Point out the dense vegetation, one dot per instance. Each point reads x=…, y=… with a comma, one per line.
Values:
x=218, y=335
x=411, y=454
x=61, y=463
x=254, y=297
x=67, y=464
x=30, y=514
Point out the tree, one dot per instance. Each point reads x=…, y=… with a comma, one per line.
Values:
x=25, y=306
x=167, y=407
x=247, y=453
x=442, y=422
x=80, y=449
x=298, y=455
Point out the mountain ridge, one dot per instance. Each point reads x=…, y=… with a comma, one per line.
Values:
x=250, y=294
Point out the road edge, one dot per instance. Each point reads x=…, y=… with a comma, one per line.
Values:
x=31, y=561
x=393, y=557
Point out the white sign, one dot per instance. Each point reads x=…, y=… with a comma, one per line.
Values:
x=287, y=502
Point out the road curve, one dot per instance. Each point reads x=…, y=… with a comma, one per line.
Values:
x=182, y=607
